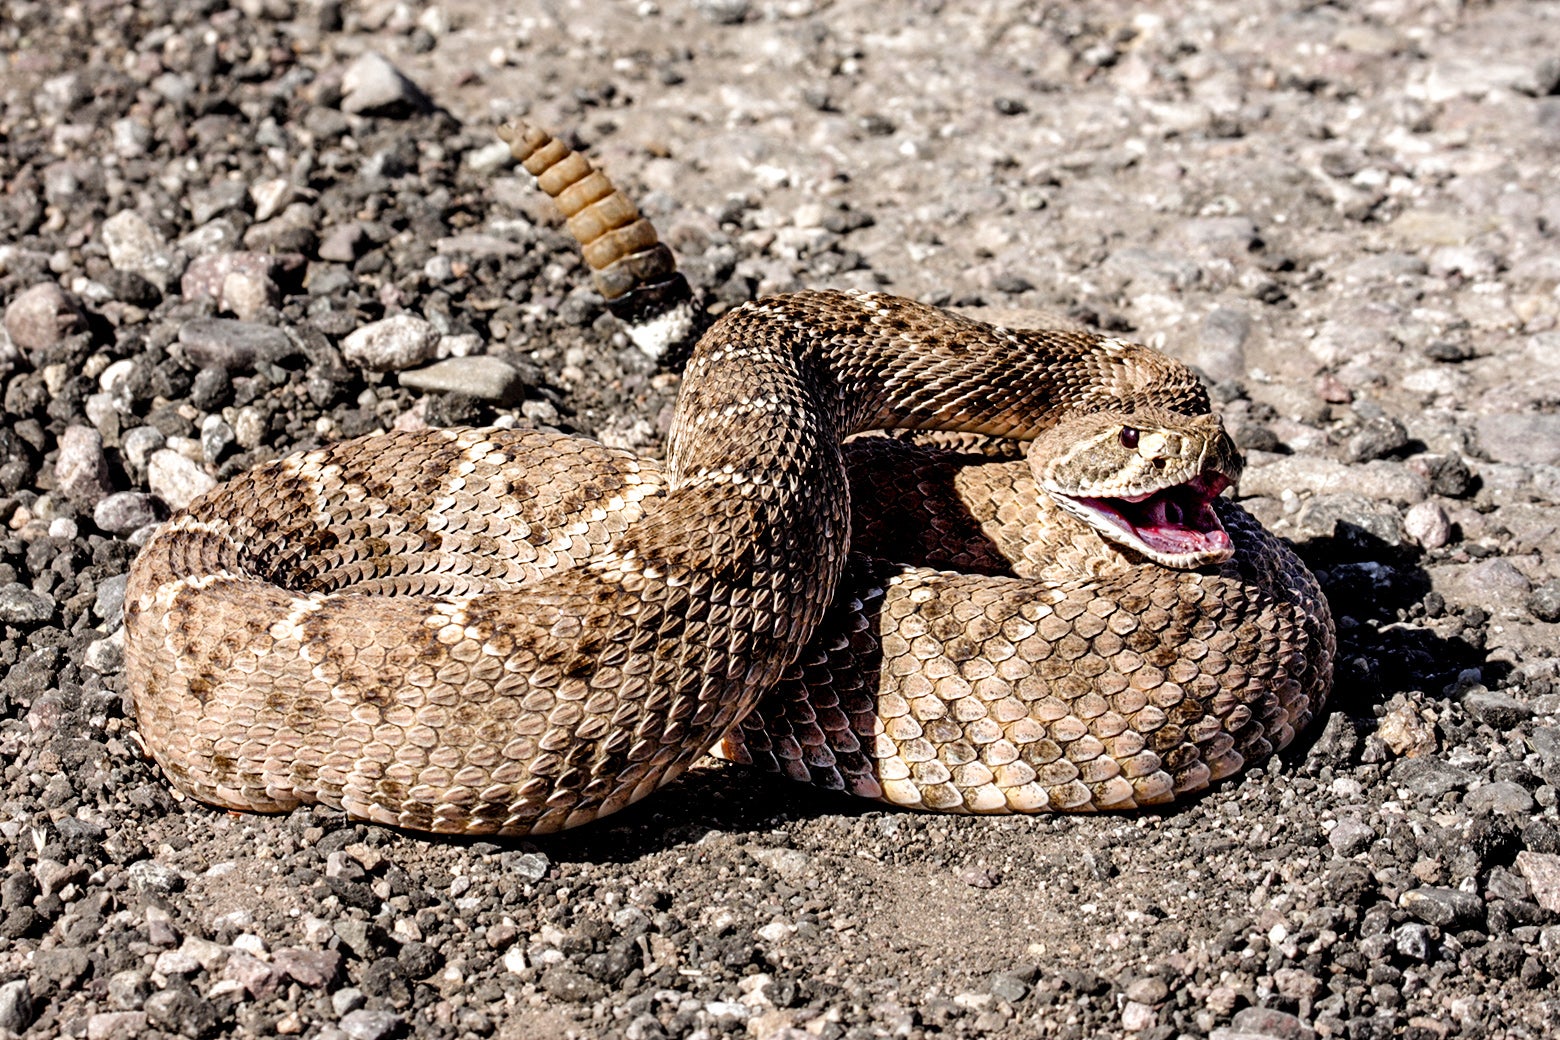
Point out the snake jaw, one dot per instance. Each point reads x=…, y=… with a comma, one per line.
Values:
x=1175, y=526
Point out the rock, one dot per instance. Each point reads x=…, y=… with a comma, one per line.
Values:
x=1427, y=523
x=1544, y=602
x=116, y=1025
x=1494, y=584
x=41, y=316
x=237, y=279
x=216, y=437
x=1447, y=908
x=178, y=1009
x=347, y=1000
x=1378, y=480
x=1495, y=708
x=724, y=12
x=1351, y=837
x=109, y=603
x=567, y=984
x=175, y=479
x=150, y=876
x=1542, y=871
x=235, y=346
x=80, y=467
x=371, y=1025
x=1412, y=940
x=16, y=1006
x=1221, y=343
x=259, y=979
x=483, y=377
x=315, y=969
x=135, y=247
x=374, y=87
x=1526, y=439
x=1258, y=1023
x=137, y=445
x=1407, y=734
x=527, y=866
x=20, y=605
x=344, y=243
x=1376, y=439
x=1429, y=778
x=1502, y=796
x=398, y=342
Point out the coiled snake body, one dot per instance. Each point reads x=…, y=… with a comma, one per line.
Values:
x=517, y=631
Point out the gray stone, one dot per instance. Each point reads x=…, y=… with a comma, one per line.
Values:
x=528, y=866
x=1429, y=778
x=724, y=12
x=137, y=445
x=216, y=437
x=1495, y=708
x=109, y=603
x=80, y=467
x=175, y=479
x=371, y=1025
x=1377, y=438
x=1412, y=940
x=150, y=876
x=1526, y=439
x=1379, y=480
x=483, y=377
x=1502, y=796
x=41, y=316
x=236, y=346
x=1443, y=907
x=20, y=605
x=371, y=85
x=237, y=277
x=1544, y=602
x=1259, y=1023
x=347, y=1000
x=1324, y=513
x=1007, y=987
x=1221, y=343
x=16, y=1006
x=116, y=1025
x=1351, y=837
x=344, y=243
x=134, y=246
x=398, y=342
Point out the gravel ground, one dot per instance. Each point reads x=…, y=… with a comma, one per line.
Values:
x=230, y=231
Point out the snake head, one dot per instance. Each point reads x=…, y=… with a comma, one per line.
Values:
x=1144, y=480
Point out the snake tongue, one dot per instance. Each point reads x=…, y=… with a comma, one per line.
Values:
x=1176, y=526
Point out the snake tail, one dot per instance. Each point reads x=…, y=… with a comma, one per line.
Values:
x=633, y=269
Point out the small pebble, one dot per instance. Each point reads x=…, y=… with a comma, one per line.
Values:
x=483, y=377
x=371, y=85
x=41, y=316
x=81, y=468
x=398, y=342
x=1427, y=523
x=176, y=479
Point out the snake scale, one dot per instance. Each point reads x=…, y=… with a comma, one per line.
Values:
x=519, y=631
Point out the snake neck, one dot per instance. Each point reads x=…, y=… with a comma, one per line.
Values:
x=832, y=364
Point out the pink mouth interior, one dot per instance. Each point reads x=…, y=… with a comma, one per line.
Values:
x=1174, y=521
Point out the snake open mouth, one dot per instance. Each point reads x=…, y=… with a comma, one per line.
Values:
x=1176, y=526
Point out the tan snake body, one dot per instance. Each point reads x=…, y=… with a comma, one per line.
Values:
x=520, y=631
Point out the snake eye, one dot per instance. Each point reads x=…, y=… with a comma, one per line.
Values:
x=1129, y=437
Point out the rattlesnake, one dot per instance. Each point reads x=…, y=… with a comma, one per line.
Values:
x=518, y=631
